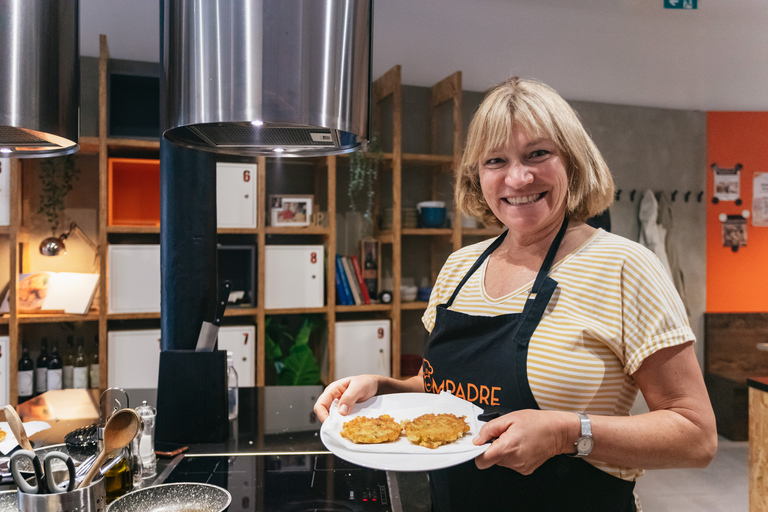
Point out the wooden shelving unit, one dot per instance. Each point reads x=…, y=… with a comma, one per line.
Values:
x=388, y=88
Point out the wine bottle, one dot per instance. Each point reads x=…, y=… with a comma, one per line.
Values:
x=80, y=375
x=69, y=364
x=26, y=375
x=94, y=363
x=55, y=368
x=41, y=372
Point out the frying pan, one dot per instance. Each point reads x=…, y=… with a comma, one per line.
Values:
x=180, y=497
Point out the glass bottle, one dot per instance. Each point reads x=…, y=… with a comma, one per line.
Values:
x=41, y=372
x=80, y=376
x=118, y=480
x=55, y=365
x=93, y=367
x=232, y=392
x=69, y=363
x=147, y=413
x=26, y=375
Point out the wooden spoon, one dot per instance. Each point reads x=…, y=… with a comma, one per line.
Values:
x=120, y=430
x=17, y=427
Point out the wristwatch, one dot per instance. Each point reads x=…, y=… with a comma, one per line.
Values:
x=585, y=443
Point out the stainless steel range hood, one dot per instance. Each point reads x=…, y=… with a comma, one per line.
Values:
x=40, y=78
x=261, y=77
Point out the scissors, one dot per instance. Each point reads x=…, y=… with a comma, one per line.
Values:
x=45, y=482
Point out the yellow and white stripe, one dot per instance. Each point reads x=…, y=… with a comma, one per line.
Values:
x=613, y=307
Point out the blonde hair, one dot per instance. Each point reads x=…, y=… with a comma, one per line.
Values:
x=541, y=112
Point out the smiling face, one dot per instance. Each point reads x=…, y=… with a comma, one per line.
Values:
x=525, y=184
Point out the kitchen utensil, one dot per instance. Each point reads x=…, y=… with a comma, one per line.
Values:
x=182, y=496
x=210, y=330
x=120, y=430
x=83, y=499
x=40, y=486
x=17, y=427
x=44, y=473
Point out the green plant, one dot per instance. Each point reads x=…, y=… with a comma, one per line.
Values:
x=57, y=177
x=363, y=171
x=299, y=366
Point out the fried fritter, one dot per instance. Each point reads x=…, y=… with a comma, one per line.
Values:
x=433, y=430
x=363, y=430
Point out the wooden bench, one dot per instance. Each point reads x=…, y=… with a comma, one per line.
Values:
x=731, y=355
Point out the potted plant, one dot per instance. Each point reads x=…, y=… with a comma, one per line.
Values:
x=363, y=172
x=57, y=177
x=290, y=356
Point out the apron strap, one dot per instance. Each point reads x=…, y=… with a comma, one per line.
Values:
x=541, y=292
x=476, y=265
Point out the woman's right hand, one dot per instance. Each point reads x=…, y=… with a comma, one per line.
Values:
x=349, y=391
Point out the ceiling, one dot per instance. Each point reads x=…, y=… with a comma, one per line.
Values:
x=631, y=52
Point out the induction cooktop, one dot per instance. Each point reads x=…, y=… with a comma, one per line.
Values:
x=291, y=482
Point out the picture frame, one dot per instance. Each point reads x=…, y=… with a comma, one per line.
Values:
x=292, y=210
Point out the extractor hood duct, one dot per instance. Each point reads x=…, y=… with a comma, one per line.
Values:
x=256, y=77
x=40, y=78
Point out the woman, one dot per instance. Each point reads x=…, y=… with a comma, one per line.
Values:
x=564, y=322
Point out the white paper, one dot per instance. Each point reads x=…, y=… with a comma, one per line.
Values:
x=760, y=199
x=30, y=427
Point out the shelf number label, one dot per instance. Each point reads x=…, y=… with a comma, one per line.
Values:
x=313, y=257
x=246, y=176
x=381, y=332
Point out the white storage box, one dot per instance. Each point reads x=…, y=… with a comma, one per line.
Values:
x=362, y=347
x=134, y=356
x=134, y=359
x=294, y=276
x=236, y=195
x=5, y=192
x=134, y=278
x=241, y=341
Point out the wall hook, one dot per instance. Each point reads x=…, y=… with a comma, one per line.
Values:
x=674, y=195
x=618, y=194
x=632, y=195
x=698, y=197
x=687, y=196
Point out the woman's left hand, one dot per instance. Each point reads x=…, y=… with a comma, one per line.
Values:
x=524, y=440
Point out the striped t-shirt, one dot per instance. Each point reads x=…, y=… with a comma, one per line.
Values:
x=613, y=307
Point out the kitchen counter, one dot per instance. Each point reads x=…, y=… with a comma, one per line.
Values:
x=276, y=436
x=758, y=443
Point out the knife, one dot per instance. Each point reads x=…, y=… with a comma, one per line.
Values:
x=210, y=330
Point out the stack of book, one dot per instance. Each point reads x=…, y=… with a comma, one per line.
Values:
x=350, y=285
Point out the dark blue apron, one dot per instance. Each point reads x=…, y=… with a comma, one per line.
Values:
x=483, y=359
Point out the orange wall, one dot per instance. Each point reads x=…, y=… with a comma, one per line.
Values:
x=736, y=281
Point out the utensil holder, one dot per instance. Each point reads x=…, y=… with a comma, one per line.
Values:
x=87, y=499
x=192, y=397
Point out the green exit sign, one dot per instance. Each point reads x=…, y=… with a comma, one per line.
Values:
x=679, y=4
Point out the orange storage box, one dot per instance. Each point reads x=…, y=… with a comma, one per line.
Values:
x=134, y=192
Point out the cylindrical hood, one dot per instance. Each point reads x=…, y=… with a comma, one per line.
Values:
x=40, y=78
x=252, y=77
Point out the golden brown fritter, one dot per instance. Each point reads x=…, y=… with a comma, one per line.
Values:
x=363, y=430
x=433, y=430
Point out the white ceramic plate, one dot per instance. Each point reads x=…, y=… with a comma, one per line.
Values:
x=399, y=461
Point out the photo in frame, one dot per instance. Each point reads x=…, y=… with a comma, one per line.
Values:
x=290, y=210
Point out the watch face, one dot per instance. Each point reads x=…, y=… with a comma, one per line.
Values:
x=584, y=445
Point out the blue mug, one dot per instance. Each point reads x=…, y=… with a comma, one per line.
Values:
x=431, y=214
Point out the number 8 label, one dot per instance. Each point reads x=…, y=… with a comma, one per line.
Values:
x=313, y=257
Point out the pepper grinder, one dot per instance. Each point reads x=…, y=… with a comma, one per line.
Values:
x=147, y=413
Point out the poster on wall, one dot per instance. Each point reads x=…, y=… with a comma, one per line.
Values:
x=760, y=199
x=727, y=182
x=734, y=231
